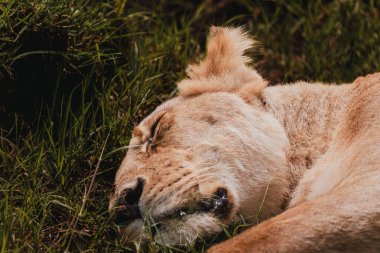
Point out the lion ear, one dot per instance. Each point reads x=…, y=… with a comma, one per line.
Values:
x=225, y=66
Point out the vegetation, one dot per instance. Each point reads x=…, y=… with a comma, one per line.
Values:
x=77, y=75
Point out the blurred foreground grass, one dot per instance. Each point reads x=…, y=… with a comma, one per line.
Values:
x=76, y=76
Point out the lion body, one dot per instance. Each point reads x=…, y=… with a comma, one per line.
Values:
x=335, y=171
x=304, y=156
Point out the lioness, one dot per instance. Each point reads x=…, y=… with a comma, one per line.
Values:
x=305, y=156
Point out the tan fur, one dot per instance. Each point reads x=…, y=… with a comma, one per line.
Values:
x=305, y=154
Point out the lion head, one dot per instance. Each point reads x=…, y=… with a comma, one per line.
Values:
x=206, y=155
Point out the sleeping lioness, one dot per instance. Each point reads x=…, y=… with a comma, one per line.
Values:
x=303, y=156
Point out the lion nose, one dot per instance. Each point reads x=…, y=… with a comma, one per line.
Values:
x=127, y=208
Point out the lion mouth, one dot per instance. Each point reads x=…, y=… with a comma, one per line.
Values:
x=219, y=204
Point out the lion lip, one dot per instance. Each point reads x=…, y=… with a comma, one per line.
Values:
x=123, y=216
x=132, y=231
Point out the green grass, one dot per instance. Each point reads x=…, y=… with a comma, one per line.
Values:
x=76, y=76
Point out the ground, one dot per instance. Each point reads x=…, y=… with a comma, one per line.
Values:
x=76, y=76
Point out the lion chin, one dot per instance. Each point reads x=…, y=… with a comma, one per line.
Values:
x=229, y=145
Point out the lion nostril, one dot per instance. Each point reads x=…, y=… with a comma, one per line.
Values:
x=132, y=195
x=127, y=208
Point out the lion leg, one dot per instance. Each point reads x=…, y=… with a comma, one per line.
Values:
x=340, y=221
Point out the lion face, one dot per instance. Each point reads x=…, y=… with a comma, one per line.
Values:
x=196, y=162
